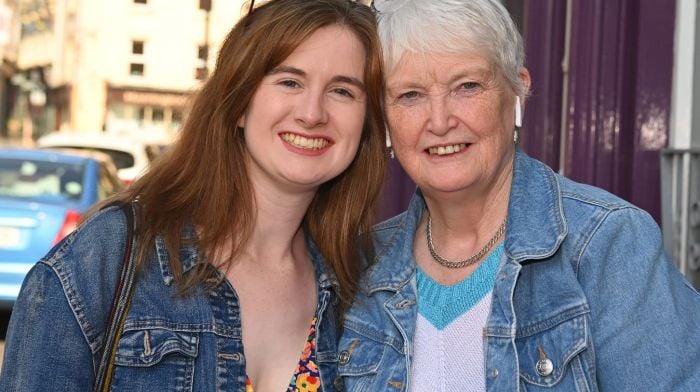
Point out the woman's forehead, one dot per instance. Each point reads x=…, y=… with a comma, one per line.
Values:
x=440, y=65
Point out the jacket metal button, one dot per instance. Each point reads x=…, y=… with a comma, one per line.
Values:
x=344, y=357
x=338, y=384
x=545, y=367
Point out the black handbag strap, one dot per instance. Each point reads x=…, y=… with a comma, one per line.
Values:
x=120, y=303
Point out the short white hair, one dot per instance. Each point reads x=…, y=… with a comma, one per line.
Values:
x=452, y=26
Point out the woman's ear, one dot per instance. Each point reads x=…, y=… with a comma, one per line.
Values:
x=525, y=81
x=241, y=122
x=524, y=76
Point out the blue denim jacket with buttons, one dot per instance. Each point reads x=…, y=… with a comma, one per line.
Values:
x=585, y=299
x=170, y=342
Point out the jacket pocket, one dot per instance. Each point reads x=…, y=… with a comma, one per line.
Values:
x=155, y=359
x=369, y=360
x=552, y=355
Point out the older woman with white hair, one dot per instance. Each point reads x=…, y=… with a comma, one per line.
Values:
x=503, y=275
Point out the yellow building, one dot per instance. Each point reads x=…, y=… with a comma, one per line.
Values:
x=112, y=65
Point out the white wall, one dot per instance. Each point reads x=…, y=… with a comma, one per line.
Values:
x=172, y=32
x=90, y=47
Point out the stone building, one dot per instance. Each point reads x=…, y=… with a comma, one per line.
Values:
x=110, y=65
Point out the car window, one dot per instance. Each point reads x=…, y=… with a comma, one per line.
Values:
x=108, y=184
x=121, y=159
x=29, y=179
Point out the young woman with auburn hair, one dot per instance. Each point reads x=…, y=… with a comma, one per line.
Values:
x=246, y=229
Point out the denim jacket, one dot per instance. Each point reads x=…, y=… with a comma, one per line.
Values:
x=583, y=276
x=170, y=342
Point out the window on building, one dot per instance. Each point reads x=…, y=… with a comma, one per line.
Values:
x=205, y=5
x=141, y=113
x=141, y=1
x=136, y=69
x=203, y=52
x=157, y=115
x=137, y=47
x=202, y=72
x=176, y=116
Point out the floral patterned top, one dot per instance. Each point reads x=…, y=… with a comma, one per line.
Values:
x=306, y=377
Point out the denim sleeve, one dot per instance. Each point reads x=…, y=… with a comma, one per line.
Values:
x=645, y=315
x=45, y=347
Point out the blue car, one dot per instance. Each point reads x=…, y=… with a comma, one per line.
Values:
x=43, y=194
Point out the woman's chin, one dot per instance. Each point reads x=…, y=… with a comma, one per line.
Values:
x=446, y=185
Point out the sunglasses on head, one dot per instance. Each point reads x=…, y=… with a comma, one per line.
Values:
x=252, y=5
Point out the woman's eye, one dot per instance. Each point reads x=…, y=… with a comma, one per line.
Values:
x=409, y=98
x=289, y=83
x=344, y=92
x=469, y=86
x=409, y=95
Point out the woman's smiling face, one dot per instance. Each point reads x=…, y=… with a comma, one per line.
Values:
x=451, y=119
x=304, y=123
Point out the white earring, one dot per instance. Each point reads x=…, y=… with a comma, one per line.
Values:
x=518, y=113
x=388, y=145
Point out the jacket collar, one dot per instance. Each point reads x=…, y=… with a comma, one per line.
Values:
x=324, y=273
x=535, y=226
x=394, y=265
x=190, y=256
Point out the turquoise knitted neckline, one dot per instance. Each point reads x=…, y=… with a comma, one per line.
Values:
x=441, y=304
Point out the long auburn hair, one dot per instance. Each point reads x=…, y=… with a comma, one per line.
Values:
x=203, y=180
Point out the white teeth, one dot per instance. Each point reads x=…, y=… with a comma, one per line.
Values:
x=444, y=150
x=305, y=143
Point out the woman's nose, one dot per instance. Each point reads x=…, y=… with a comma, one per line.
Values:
x=440, y=119
x=311, y=110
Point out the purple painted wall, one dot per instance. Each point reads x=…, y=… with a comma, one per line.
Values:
x=398, y=190
x=544, y=24
x=652, y=107
x=617, y=115
x=599, y=127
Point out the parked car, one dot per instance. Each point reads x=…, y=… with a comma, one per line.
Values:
x=130, y=154
x=43, y=194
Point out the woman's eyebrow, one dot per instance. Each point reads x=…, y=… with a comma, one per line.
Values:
x=338, y=78
x=350, y=80
x=287, y=69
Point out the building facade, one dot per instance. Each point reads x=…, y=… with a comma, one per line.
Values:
x=112, y=65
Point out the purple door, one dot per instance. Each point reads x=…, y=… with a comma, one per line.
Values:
x=618, y=102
